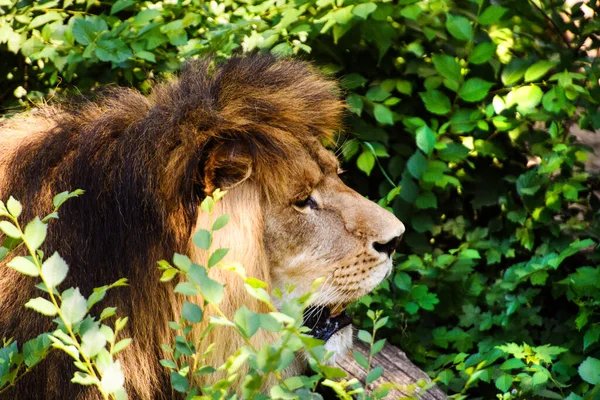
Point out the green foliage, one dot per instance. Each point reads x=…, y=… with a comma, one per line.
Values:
x=78, y=334
x=459, y=113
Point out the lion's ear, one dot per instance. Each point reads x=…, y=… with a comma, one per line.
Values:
x=226, y=167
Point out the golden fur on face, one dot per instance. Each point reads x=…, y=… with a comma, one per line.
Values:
x=253, y=124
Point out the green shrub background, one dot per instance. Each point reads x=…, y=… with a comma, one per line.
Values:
x=459, y=120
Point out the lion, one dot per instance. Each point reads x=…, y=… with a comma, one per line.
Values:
x=254, y=125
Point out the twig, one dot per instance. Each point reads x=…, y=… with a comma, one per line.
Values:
x=551, y=21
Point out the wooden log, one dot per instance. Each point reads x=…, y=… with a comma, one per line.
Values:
x=409, y=380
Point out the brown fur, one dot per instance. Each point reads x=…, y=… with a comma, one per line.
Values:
x=254, y=124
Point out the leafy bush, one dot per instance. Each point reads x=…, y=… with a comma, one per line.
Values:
x=90, y=342
x=460, y=117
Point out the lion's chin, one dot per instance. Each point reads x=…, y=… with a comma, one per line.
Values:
x=340, y=343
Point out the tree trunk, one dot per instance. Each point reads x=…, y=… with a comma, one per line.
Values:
x=409, y=380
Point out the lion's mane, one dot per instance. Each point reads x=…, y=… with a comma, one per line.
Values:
x=146, y=163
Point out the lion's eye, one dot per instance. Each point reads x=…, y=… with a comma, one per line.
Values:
x=306, y=203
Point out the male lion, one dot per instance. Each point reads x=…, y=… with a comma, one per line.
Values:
x=253, y=125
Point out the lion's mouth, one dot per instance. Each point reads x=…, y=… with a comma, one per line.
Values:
x=323, y=324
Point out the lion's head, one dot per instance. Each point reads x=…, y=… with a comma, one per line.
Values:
x=253, y=125
x=327, y=230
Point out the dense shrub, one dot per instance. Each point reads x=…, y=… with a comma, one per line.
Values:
x=459, y=119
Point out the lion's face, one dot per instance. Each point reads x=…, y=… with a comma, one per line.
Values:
x=329, y=231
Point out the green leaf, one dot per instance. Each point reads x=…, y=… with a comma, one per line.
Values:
x=426, y=200
x=404, y=87
x=374, y=374
x=547, y=353
x=113, y=378
x=366, y=162
x=573, y=396
x=355, y=103
x=482, y=53
x=447, y=66
x=269, y=323
x=353, y=81
x=417, y=164
x=14, y=207
x=513, y=72
x=208, y=204
x=539, y=278
x=186, y=289
x=589, y=370
x=73, y=306
x=248, y=321
x=591, y=336
x=426, y=139
x=436, y=102
x=107, y=312
x=452, y=152
x=221, y=222
x=361, y=359
x=179, y=383
x=504, y=382
x=54, y=270
x=426, y=300
x=211, y=290
x=43, y=19
x=512, y=363
x=203, y=239
x=181, y=261
x=35, y=349
x=403, y=281
x=377, y=346
x=377, y=93
x=42, y=306
x=112, y=49
x=93, y=340
x=491, y=15
x=539, y=378
x=81, y=378
x=3, y=253
x=459, y=27
x=365, y=336
x=120, y=5
x=24, y=266
x=383, y=115
x=86, y=30
x=363, y=10
x=146, y=55
x=35, y=233
x=10, y=230
x=411, y=12
x=217, y=256
x=526, y=97
x=474, y=89
x=538, y=70
x=60, y=198
x=445, y=376
x=168, y=364
x=191, y=312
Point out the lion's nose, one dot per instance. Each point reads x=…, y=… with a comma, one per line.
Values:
x=387, y=247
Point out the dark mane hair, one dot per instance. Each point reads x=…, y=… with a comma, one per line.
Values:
x=145, y=164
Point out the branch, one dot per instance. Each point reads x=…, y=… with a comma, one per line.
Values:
x=552, y=23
